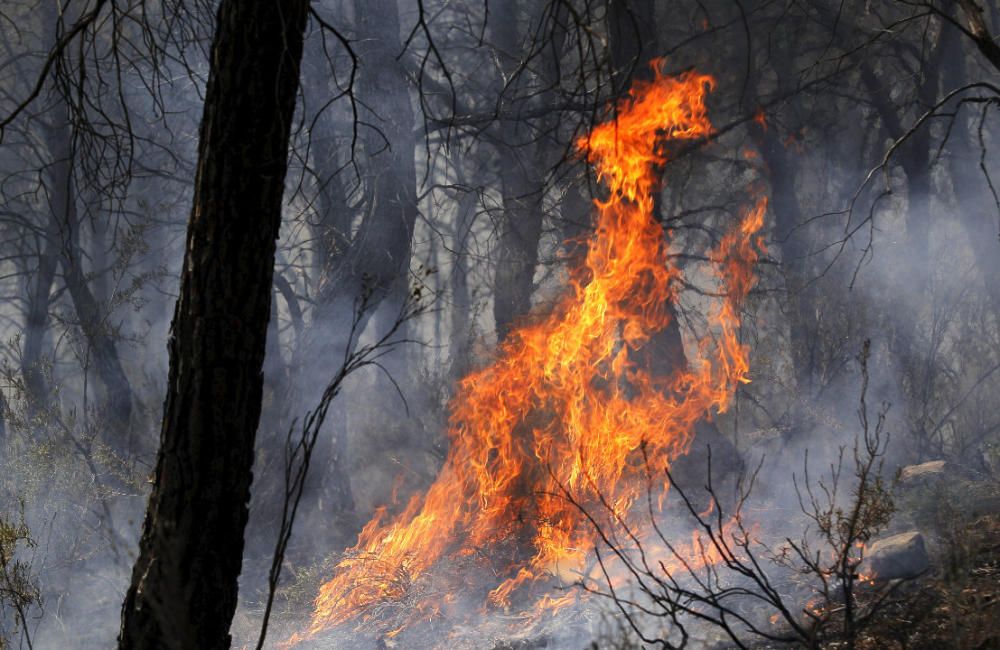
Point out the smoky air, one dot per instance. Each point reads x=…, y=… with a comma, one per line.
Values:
x=570, y=324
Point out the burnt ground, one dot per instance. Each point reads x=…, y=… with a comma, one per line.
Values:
x=957, y=603
x=953, y=604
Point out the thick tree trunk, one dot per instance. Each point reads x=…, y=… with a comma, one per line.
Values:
x=633, y=47
x=184, y=584
x=633, y=41
x=907, y=326
x=976, y=207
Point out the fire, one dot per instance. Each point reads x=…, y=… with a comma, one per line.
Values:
x=569, y=400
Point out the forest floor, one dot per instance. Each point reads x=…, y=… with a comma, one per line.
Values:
x=954, y=604
x=957, y=603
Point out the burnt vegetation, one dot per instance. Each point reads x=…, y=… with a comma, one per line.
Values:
x=334, y=323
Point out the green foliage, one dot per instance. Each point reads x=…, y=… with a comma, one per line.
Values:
x=73, y=487
x=19, y=591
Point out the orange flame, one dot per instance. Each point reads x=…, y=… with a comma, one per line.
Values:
x=568, y=403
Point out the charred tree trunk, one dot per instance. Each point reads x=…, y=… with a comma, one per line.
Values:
x=116, y=393
x=521, y=184
x=632, y=32
x=520, y=232
x=3, y=418
x=633, y=47
x=907, y=342
x=102, y=356
x=370, y=265
x=971, y=192
x=800, y=295
x=379, y=258
x=372, y=260
x=331, y=227
x=36, y=322
x=781, y=167
x=461, y=301
x=527, y=154
x=184, y=584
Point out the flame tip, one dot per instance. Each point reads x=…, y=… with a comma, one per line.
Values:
x=571, y=399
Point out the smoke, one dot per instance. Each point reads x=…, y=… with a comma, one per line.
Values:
x=922, y=293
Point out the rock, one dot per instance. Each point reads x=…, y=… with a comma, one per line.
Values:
x=897, y=557
x=923, y=473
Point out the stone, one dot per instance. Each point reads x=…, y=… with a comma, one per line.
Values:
x=897, y=557
x=923, y=473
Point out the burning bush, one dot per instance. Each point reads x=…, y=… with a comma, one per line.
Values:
x=571, y=402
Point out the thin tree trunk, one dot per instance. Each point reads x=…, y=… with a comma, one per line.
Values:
x=36, y=324
x=522, y=187
x=803, y=327
x=461, y=301
x=102, y=356
x=633, y=46
x=374, y=263
x=527, y=155
x=116, y=390
x=184, y=584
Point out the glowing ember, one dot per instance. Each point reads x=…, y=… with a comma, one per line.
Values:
x=568, y=403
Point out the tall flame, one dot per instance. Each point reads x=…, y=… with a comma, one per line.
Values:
x=568, y=402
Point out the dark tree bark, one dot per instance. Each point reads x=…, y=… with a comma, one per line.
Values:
x=461, y=301
x=781, y=168
x=632, y=32
x=379, y=256
x=633, y=47
x=116, y=394
x=376, y=257
x=184, y=584
x=3, y=418
x=976, y=205
x=527, y=153
x=331, y=228
x=522, y=184
x=631, y=25
x=979, y=31
x=375, y=261
x=782, y=163
x=36, y=321
x=907, y=337
x=102, y=355
x=520, y=232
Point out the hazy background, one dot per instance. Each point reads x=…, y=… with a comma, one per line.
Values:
x=441, y=161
